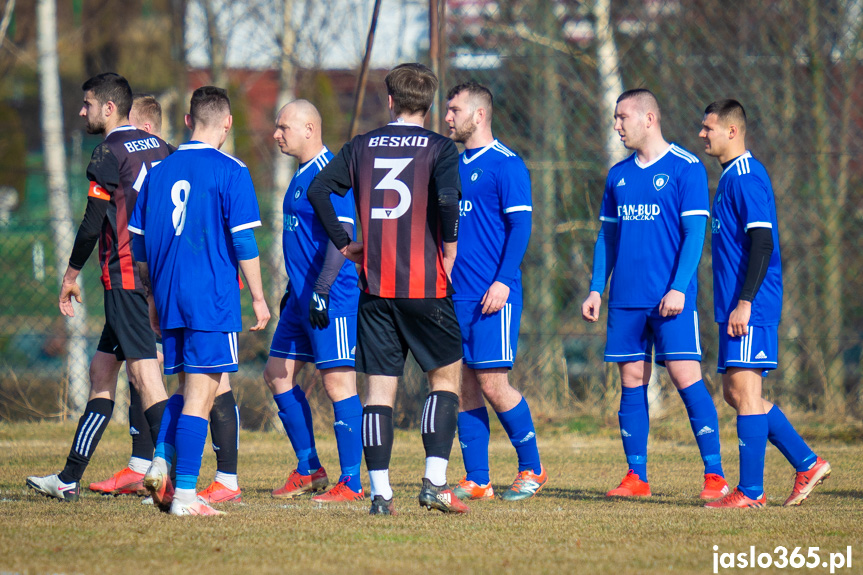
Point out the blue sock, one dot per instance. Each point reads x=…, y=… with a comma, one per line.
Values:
x=348, y=424
x=191, y=437
x=752, y=439
x=296, y=416
x=705, y=425
x=518, y=424
x=634, y=428
x=165, y=444
x=473, y=435
x=782, y=434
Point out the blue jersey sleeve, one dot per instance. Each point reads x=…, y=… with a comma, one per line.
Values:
x=514, y=186
x=754, y=202
x=239, y=202
x=694, y=197
x=608, y=209
x=136, y=222
x=345, y=209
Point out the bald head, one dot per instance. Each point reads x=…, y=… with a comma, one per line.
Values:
x=298, y=130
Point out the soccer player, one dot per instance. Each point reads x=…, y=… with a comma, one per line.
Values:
x=747, y=303
x=194, y=226
x=494, y=232
x=653, y=215
x=116, y=171
x=318, y=320
x=406, y=185
x=146, y=115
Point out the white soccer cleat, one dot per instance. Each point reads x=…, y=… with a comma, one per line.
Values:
x=51, y=486
x=197, y=507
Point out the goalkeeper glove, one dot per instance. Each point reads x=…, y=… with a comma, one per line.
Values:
x=319, y=312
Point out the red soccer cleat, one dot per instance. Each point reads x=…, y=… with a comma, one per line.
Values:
x=631, y=486
x=715, y=486
x=339, y=494
x=737, y=500
x=218, y=493
x=298, y=484
x=124, y=482
x=806, y=481
x=473, y=491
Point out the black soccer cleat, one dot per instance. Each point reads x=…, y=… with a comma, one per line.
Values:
x=440, y=497
x=51, y=486
x=381, y=506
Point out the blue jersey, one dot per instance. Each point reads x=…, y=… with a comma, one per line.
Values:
x=647, y=202
x=744, y=200
x=494, y=184
x=305, y=241
x=187, y=209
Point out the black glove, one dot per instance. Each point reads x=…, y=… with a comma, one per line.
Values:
x=319, y=310
x=284, y=299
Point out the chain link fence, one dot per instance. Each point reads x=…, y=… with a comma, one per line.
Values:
x=555, y=68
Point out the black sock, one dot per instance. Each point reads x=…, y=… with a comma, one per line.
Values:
x=92, y=424
x=225, y=432
x=154, y=418
x=439, y=422
x=139, y=427
x=377, y=436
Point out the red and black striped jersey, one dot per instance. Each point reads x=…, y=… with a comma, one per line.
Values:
x=116, y=172
x=397, y=172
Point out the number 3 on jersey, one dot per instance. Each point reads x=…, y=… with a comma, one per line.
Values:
x=180, y=197
x=391, y=182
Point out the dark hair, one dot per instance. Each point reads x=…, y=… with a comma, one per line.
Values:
x=111, y=87
x=148, y=107
x=209, y=104
x=645, y=97
x=476, y=90
x=412, y=87
x=728, y=110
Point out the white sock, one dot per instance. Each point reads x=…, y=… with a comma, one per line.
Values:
x=229, y=480
x=436, y=470
x=380, y=483
x=139, y=465
x=185, y=496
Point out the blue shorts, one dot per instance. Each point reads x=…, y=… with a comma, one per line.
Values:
x=759, y=349
x=633, y=333
x=334, y=346
x=488, y=340
x=192, y=351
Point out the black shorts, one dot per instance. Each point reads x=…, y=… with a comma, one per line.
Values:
x=127, y=332
x=388, y=327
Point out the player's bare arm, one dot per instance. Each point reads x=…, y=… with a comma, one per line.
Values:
x=252, y=272
x=68, y=289
x=449, y=252
x=591, y=306
x=672, y=303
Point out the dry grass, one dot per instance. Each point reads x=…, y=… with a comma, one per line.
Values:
x=570, y=527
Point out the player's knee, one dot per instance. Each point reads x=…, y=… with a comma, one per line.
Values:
x=731, y=396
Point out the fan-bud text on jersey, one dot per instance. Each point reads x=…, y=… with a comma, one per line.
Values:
x=636, y=212
x=399, y=141
x=464, y=206
x=141, y=145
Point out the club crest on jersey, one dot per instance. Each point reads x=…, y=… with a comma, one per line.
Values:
x=298, y=193
x=474, y=175
x=659, y=181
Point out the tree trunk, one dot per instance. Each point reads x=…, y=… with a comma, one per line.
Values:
x=58, y=196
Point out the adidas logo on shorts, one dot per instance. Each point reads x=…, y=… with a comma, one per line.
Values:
x=761, y=355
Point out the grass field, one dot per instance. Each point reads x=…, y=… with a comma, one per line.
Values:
x=569, y=527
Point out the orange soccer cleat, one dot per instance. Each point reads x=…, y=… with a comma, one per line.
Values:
x=159, y=486
x=806, y=481
x=339, y=494
x=123, y=482
x=218, y=493
x=631, y=486
x=715, y=486
x=737, y=500
x=526, y=485
x=298, y=484
x=473, y=491
x=196, y=508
